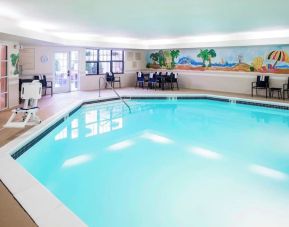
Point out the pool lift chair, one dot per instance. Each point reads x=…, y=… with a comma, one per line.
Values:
x=31, y=93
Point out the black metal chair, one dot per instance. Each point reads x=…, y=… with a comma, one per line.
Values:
x=286, y=89
x=159, y=76
x=152, y=81
x=262, y=83
x=168, y=80
x=140, y=79
x=162, y=80
x=175, y=80
x=45, y=83
x=110, y=78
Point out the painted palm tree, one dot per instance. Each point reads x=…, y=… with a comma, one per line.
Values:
x=162, y=60
x=174, y=54
x=212, y=54
x=155, y=57
x=204, y=54
x=207, y=56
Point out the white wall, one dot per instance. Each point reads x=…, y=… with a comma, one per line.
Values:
x=134, y=61
x=227, y=82
x=234, y=82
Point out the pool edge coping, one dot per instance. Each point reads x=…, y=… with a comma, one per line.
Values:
x=21, y=183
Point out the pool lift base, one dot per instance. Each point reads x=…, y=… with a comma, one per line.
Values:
x=31, y=93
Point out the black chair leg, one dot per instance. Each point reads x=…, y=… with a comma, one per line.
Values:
x=252, y=90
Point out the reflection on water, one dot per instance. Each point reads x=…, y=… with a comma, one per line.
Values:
x=80, y=159
x=92, y=122
x=61, y=135
x=156, y=138
x=268, y=172
x=121, y=145
x=205, y=153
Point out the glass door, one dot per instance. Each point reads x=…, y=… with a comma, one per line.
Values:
x=74, y=72
x=66, y=73
x=3, y=78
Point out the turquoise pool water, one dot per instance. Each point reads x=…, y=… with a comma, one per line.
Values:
x=181, y=163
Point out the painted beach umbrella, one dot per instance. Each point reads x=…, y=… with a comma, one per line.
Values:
x=278, y=56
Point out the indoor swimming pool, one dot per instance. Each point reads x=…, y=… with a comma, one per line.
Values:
x=169, y=163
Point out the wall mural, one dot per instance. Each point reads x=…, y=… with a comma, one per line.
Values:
x=263, y=59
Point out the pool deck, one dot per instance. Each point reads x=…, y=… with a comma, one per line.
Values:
x=11, y=212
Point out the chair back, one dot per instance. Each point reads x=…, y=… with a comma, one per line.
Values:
x=109, y=76
x=42, y=79
x=31, y=90
x=140, y=76
x=174, y=77
x=22, y=81
x=262, y=81
x=152, y=77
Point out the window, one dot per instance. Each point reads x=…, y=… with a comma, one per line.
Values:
x=91, y=62
x=104, y=55
x=101, y=61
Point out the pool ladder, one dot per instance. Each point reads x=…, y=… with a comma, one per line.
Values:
x=109, y=85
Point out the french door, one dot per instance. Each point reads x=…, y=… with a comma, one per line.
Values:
x=66, y=71
x=3, y=78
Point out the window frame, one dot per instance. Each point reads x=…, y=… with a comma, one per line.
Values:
x=98, y=61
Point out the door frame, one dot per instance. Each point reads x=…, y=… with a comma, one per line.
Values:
x=67, y=87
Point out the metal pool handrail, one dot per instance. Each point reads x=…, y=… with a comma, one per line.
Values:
x=125, y=103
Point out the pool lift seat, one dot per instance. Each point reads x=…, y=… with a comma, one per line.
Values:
x=31, y=93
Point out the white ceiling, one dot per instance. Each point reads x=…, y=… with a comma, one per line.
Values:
x=134, y=22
